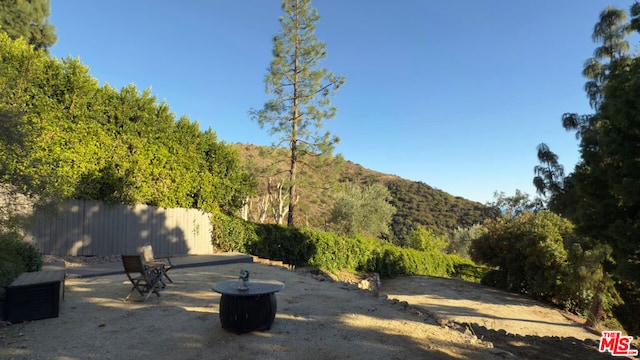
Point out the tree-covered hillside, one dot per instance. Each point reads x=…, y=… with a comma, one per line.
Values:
x=417, y=203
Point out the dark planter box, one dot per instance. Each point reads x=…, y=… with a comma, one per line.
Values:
x=34, y=296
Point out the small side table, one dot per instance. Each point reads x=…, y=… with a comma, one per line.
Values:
x=248, y=310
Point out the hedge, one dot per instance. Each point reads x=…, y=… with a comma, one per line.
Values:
x=329, y=251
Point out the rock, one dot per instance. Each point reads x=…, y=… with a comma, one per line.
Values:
x=372, y=283
x=364, y=285
x=502, y=353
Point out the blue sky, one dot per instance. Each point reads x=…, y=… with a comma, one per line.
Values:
x=456, y=94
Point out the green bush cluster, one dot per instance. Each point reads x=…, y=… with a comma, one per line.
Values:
x=528, y=251
x=333, y=252
x=287, y=244
x=329, y=251
x=391, y=261
x=470, y=272
x=16, y=257
x=540, y=255
x=231, y=233
x=424, y=239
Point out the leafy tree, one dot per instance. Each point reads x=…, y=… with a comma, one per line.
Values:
x=539, y=254
x=634, y=24
x=28, y=19
x=610, y=31
x=231, y=184
x=462, y=238
x=618, y=213
x=424, y=239
x=601, y=196
x=363, y=210
x=549, y=179
x=528, y=251
x=512, y=206
x=301, y=90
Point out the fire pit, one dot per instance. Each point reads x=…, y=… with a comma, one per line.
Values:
x=247, y=305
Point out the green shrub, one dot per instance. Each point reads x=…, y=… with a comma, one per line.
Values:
x=307, y=247
x=31, y=256
x=424, y=239
x=529, y=251
x=391, y=261
x=335, y=252
x=470, y=272
x=16, y=257
x=231, y=233
x=538, y=254
x=283, y=243
x=495, y=278
x=329, y=251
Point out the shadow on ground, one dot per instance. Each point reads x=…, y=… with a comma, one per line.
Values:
x=540, y=347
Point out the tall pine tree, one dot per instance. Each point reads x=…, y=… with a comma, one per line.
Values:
x=301, y=91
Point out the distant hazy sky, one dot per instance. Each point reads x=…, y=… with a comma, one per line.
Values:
x=456, y=94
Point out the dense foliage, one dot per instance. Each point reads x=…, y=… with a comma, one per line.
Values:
x=28, y=19
x=391, y=261
x=602, y=193
x=64, y=136
x=426, y=240
x=329, y=251
x=418, y=204
x=539, y=254
x=528, y=251
x=16, y=257
x=462, y=238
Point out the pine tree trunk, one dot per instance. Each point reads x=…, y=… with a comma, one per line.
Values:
x=292, y=188
x=294, y=127
x=596, y=312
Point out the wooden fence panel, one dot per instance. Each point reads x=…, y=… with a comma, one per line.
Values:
x=91, y=228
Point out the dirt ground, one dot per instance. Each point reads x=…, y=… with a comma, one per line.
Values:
x=511, y=322
x=410, y=318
